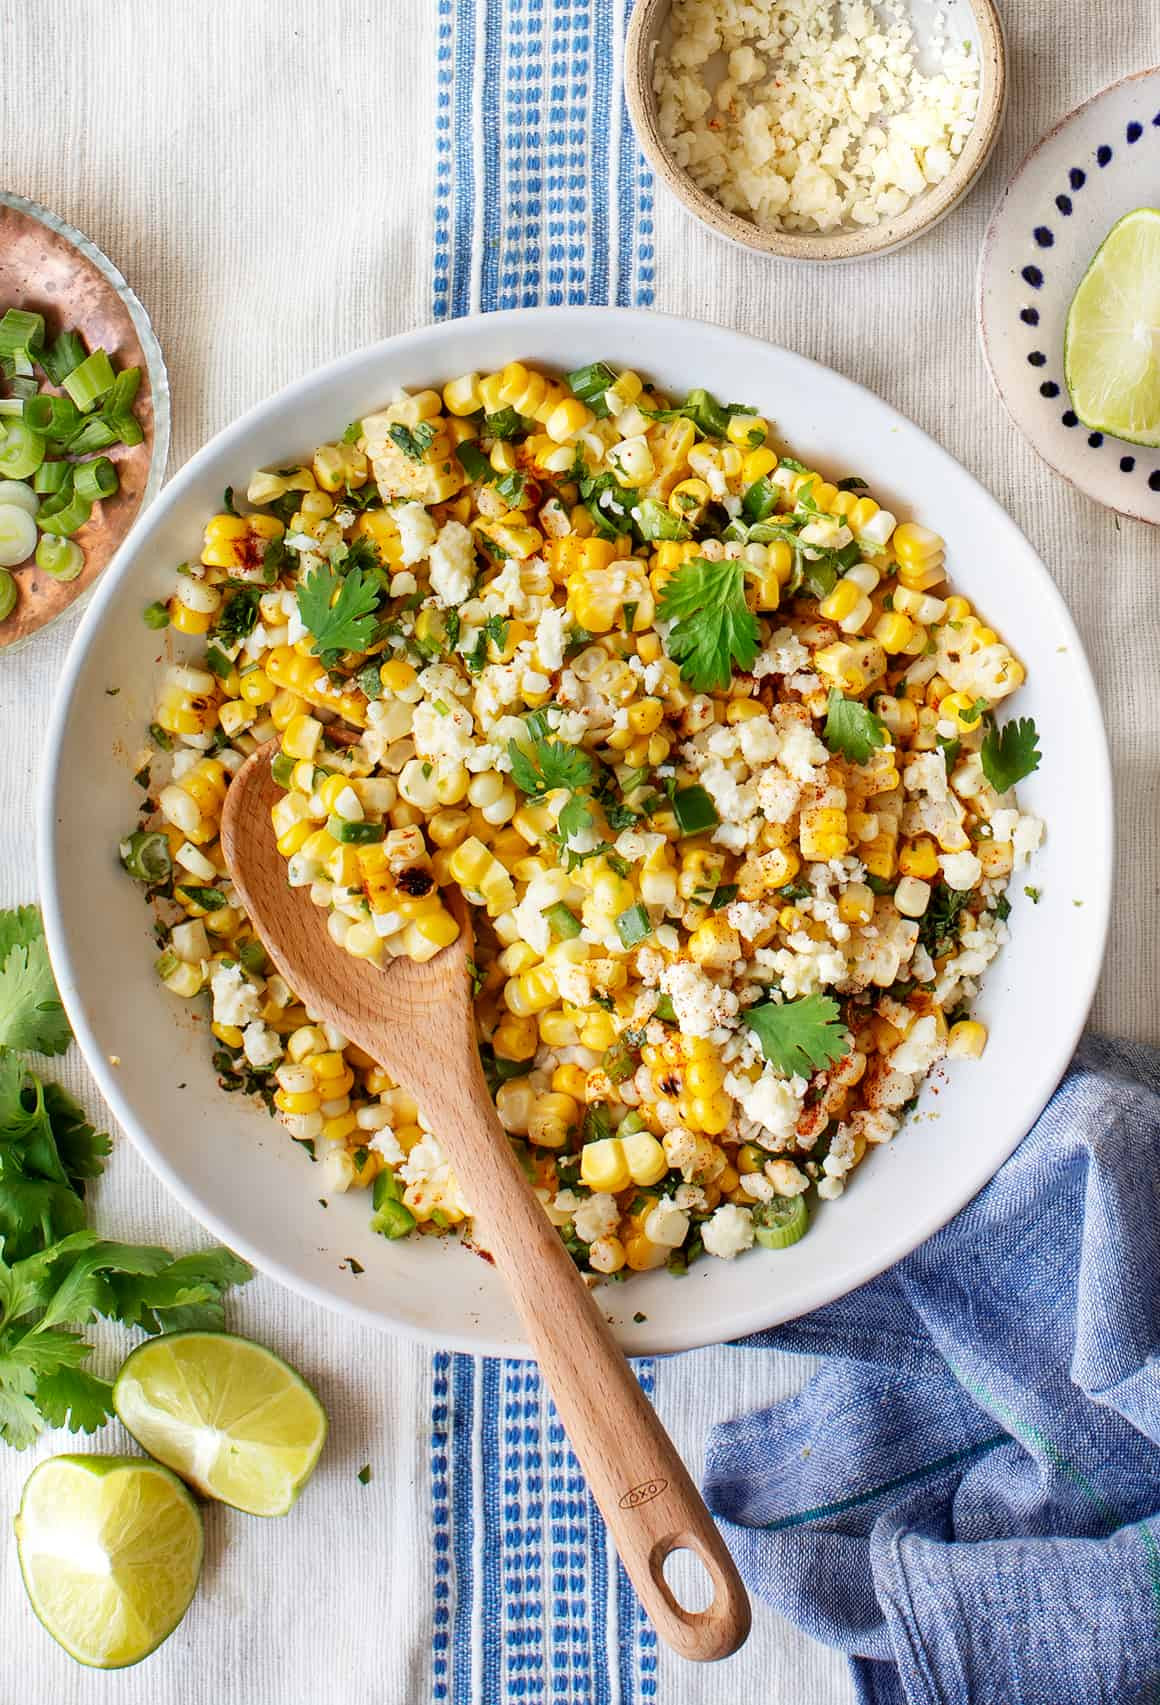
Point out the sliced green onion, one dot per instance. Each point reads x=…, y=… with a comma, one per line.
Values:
x=253, y=957
x=145, y=856
x=634, y=925
x=618, y=1062
x=17, y=535
x=94, y=434
x=52, y=477
x=282, y=768
x=760, y=500
x=655, y=520
x=167, y=964
x=62, y=558
x=355, y=834
x=21, y=451
x=67, y=519
x=370, y=679
x=88, y=382
x=7, y=594
x=473, y=461
x=631, y=1122
x=127, y=428
x=564, y=923
x=156, y=615
x=11, y=408
x=21, y=333
x=123, y=394
x=665, y=1010
x=96, y=479
x=392, y=1218
x=24, y=388
x=780, y=1222
x=694, y=810
x=590, y=383
x=63, y=357
x=209, y=899
x=56, y=417
x=19, y=495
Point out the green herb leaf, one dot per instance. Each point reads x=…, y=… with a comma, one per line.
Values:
x=801, y=1036
x=1010, y=753
x=852, y=728
x=551, y=764
x=31, y=1016
x=74, y=1399
x=714, y=631
x=413, y=441
x=338, y=609
x=238, y=616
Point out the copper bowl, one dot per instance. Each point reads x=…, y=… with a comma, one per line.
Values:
x=52, y=269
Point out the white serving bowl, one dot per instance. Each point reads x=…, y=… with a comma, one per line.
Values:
x=237, y=1170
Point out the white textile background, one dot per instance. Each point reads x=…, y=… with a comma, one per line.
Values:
x=262, y=175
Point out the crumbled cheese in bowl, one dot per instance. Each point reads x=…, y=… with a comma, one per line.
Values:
x=823, y=118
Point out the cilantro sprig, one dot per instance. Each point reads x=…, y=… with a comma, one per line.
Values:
x=852, y=729
x=714, y=631
x=338, y=609
x=1010, y=753
x=802, y=1036
x=552, y=764
x=56, y=1274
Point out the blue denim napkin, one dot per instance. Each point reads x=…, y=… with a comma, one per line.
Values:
x=966, y=1499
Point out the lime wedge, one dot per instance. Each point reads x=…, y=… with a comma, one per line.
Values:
x=229, y=1416
x=1111, y=349
x=110, y=1550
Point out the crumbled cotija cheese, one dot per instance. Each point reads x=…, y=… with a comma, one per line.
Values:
x=823, y=117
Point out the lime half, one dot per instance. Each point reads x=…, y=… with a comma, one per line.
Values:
x=231, y=1417
x=1111, y=349
x=110, y=1550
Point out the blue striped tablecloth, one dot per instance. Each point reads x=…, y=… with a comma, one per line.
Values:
x=541, y=198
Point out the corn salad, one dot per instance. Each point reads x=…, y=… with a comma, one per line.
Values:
x=703, y=738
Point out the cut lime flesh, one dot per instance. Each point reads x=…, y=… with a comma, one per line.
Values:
x=1111, y=351
x=229, y=1416
x=110, y=1550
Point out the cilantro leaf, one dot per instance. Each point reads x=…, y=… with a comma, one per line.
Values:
x=184, y=1296
x=338, y=609
x=74, y=1399
x=238, y=616
x=19, y=927
x=20, y=1421
x=31, y=1016
x=802, y=1036
x=852, y=728
x=413, y=441
x=573, y=819
x=1010, y=753
x=550, y=764
x=714, y=630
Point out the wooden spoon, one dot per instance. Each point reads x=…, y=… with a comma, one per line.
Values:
x=418, y=1022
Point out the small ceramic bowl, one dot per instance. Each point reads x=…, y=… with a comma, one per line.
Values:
x=53, y=269
x=1099, y=163
x=645, y=36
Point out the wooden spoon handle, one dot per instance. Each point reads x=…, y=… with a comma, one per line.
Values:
x=644, y=1491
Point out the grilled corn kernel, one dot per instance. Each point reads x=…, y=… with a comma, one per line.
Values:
x=966, y=1040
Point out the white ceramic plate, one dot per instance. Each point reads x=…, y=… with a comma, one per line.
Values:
x=1099, y=163
x=236, y=1169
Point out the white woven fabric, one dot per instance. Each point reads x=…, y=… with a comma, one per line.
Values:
x=263, y=176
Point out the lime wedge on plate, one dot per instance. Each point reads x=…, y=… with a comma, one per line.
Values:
x=229, y=1416
x=1111, y=349
x=110, y=1550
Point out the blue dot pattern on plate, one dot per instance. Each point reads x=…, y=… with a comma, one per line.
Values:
x=1033, y=275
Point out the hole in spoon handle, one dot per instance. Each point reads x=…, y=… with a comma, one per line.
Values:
x=721, y=1625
